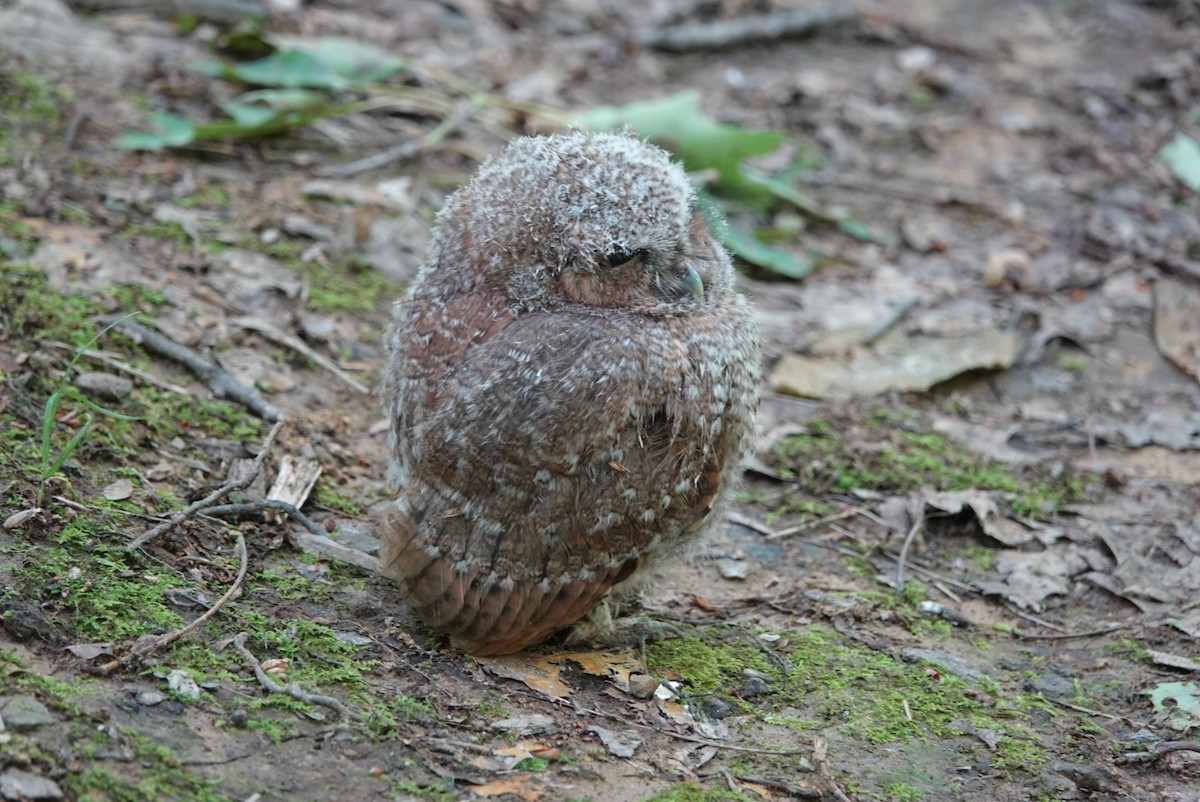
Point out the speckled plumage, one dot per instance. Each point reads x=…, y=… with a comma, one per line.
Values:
x=571, y=384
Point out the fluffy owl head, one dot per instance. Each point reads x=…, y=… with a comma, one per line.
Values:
x=599, y=220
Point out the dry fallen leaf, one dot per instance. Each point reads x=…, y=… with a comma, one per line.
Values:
x=119, y=490
x=520, y=786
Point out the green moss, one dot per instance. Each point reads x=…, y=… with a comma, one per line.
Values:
x=406, y=707
x=94, y=587
x=901, y=792
x=691, y=792
x=210, y=197
x=170, y=231
x=832, y=683
x=441, y=792
x=325, y=495
x=490, y=705
x=34, y=110
x=152, y=771
x=898, y=461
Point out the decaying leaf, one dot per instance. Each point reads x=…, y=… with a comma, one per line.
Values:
x=1183, y=712
x=902, y=362
x=522, y=786
x=1177, y=323
x=1182, y=156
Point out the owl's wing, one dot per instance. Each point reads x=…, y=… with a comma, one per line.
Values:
x=552, y=459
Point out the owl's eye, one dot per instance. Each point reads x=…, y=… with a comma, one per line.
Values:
x=618, y=258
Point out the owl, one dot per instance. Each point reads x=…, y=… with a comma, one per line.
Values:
x=571, y=384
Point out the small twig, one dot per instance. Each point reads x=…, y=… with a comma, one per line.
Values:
x=1091, y=633
x=753, y=524
x=316, y=542
x=915, y=530
x=745, y=30
x=411, y=148
x=144, y=648
x=891, y=321
x=798, y=791
x=677, y=735
x=293, y=690
x=820, y=755
x=222, y=384
x=1179, y=265
x=264, y=505
x=932, y=575
x=1158, y=750
x=1089, y=712
x=828, y=519
x=212, y=498
x=117, y=364
x=1041, y=622
x=300, y=347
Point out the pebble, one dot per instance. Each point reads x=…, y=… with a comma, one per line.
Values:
x=105, y=386
x=25, y=713
x=150, y=698
x=17, y=784
x=530, y=724
x=642, y=686
x=715, y=708
x=183, y=686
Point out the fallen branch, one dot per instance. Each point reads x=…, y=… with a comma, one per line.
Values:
x=292, y=690
x=1158, y=750
x=116, y=364
x=300, y=347
x=148, y=646
x=409, y=149
x=222, y=384
x=821, y=760
x=745, y=30
x=316, y=542
x=209, y=501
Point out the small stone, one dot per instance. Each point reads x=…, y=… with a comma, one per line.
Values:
x=617, y=743
x=150, y=698
x=25, y=713
x=17, y=784
x=1052, y=686
x=715, y=708
x=642, y=686
x=755, y=686
x=915, y=59
x=530, y=724
x=734, y=569
x=104, y=386
x=183, y=686
x=1007, y=268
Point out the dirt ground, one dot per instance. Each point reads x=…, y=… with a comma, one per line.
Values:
x=966, y=561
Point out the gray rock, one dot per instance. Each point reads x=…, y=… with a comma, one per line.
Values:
x=105, y=386
x=17, y=784
x=25, y=713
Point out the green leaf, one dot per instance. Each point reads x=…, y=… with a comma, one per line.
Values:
x=1185, y=712
x=355, y=61
x=173, y=131
x=290, y=69
x=1182, y=157
x=677, y=124
x=765, y=256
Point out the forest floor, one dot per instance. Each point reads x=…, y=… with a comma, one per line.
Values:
x=965, y=563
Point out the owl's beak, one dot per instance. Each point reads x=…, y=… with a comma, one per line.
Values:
x=693, y=283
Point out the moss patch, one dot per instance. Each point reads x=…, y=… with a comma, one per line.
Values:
x=886, y=455
x=866, y=696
